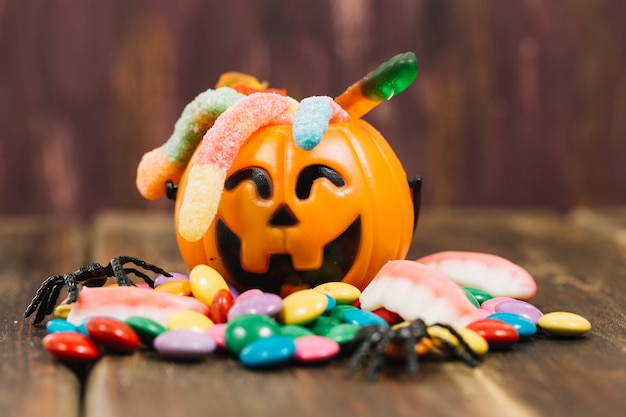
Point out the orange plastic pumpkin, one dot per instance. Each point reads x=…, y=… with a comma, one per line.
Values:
x=291, y=218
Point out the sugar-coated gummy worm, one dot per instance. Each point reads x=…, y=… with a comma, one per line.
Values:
x=312, y=118
x=205, y=181
x=169, y=161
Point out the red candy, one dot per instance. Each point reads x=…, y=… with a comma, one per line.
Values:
x=497, y=333
x=222, y=302
x=71, y=347
x=389, y=316
x=112, y=334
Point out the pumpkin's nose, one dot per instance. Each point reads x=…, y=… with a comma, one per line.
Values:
x=283, y=216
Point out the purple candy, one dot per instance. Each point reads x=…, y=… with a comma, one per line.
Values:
x=184, y=344
x=522, y=308
x=265, y=303
x=162, y=279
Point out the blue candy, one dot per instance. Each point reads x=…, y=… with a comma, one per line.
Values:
x=268, y=352
x=60, y=325
x=524, y=327
x=362, y=318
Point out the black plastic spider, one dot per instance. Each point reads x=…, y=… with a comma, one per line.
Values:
x=94, y=275
x=373, y=340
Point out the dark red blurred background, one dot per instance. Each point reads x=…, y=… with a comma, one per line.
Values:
x=517, y=103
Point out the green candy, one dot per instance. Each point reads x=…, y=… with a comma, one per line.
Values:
x=480, y=295
x=337, y=312
x=342, y=333
x=294, y=331
x=471, y=297
x=247, y=328
x=147, y=329
x=323, y=324
x=390, y=78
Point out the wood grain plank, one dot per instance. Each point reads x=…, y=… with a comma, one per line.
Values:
x=574, y=271
x=609, y=222
x=31, y=382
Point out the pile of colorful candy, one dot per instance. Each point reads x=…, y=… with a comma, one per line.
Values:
x=187, y=318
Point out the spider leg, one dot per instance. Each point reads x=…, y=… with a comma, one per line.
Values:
x=140, y=274
x=412, y=363
x=361, y=353
x=43, y=293
x=145, y=265
x=72, y=288
x=378, y=358
x=120, y=274
x=466, y=353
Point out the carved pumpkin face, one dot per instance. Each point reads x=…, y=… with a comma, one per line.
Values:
x=291, y=218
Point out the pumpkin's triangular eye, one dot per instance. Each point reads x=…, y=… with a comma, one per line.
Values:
x=259, y=177
x=312, y=172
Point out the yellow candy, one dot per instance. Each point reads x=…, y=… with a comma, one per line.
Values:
x=61, y=311
x=564, y=324
x=302, y=307
x=191, y=320
x=176, y=287
x=342, y=292
x=205, y=283
x=475, y=341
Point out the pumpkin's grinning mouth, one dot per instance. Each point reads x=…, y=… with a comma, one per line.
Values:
x=339, y=256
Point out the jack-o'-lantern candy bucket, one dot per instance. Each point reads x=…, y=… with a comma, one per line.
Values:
x=282, y=195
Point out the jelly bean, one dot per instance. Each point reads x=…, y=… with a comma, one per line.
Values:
x=342, y=292
x=147, y=329
x=112, y=334
x=474, y=340
x=217, y=334
x=61, y=311
x=315, y=349
x=184, y=344
x=479, y=294
x=191, y=320
x=267, y=352
x=564, y=324
x=470, y=297
x=162, y=279
x=302, y=307
x=264, y=303
x=221, y=305
x=177, y=287
x=205, y=283
x=246, y=328
x=490, y=304
x=295, y=331
x=60, y=325
x=331, y=305
x=524, y=327
x=362, y=318
x=248, y=293
x=522, y=308
x=338, y=311
x=71, y=347
x=496, y=332
x=343, y=333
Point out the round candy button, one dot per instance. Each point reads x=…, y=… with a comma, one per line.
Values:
x=268, y=352
x=302, y=307
x=564, y=324
x=71, y=347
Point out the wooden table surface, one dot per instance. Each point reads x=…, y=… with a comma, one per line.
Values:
x=578, y=261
